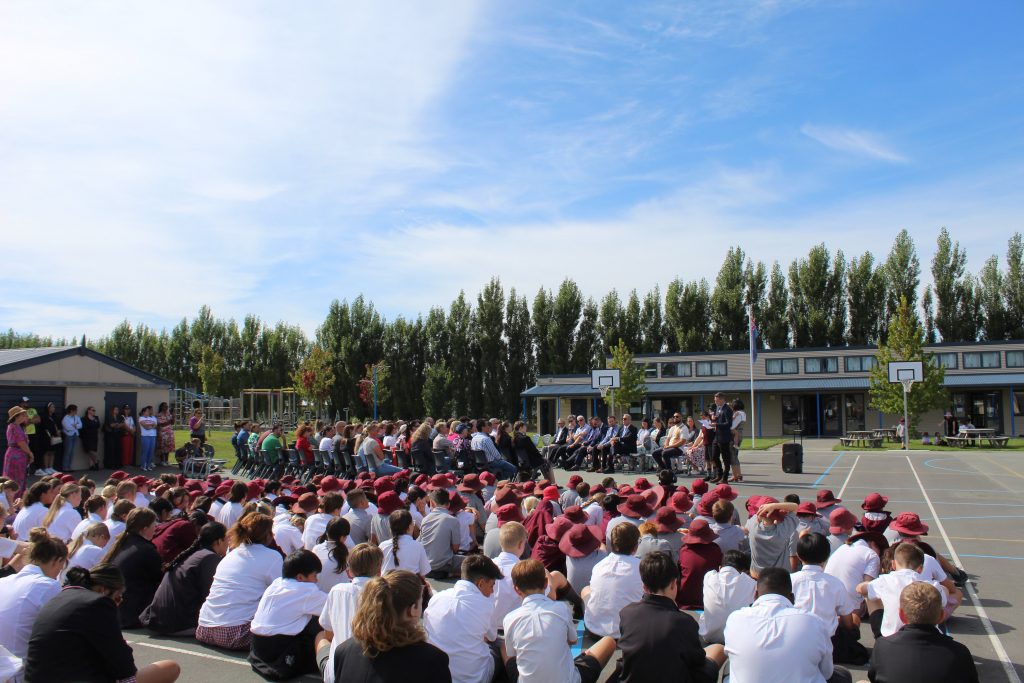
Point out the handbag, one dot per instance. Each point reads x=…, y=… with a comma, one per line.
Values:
x=56, y=440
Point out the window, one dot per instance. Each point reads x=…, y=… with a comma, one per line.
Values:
x=861, y=363
x=651, y=370
x=981, y=359
x=1018, y=403
x=712, y=368
x=819, y=365
x=782, y=366
x=946, y=360
x=580, y=406
x=1015, y=359
x=676, y=369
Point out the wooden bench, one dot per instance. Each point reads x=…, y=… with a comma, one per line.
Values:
x=872, y=442
x=999, y=441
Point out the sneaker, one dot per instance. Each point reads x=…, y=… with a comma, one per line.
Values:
x=39, y=473
x=50, y=470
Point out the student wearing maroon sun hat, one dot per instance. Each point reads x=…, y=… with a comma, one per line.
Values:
x=908, y=527
x=698, y=556
x=581, y=545
x=876, y=517
x=840, y=526
x=826, y=502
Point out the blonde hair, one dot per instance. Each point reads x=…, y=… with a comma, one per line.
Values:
x=921, y=604
x=648, y=529
x=66, y=491
x=365, y=560
x=422, y=432
x=380, y=624
x=529, y=503
x=95, y=530
x=510, y=535
x=109, y=492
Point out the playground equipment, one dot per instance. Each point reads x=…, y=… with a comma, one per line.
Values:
x=268, y=406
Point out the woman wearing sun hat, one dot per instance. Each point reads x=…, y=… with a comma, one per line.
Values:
x=19, y=455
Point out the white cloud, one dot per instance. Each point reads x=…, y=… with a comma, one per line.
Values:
x=852, y=141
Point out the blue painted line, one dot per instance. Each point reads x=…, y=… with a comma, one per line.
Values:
x=993, y=557
x=825, y=473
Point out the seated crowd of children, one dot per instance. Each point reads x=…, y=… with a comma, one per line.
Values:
x=332, y=578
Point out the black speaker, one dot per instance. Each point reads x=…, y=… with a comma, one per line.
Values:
x=793, y=458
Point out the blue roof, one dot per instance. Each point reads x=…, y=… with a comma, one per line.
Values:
x=991, y=379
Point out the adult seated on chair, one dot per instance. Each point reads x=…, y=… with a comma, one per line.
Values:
x=420, y=447
x=587, y=445
x=527, y=454
x=372, y=454
x=675, y=439
x=482, y=442
x=442, y=446
x=623, y=443
x=605, y=448
x=559, y=438
x=564, y=454
x=273, y=443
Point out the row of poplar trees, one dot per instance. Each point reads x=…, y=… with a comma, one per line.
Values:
x=476, y=355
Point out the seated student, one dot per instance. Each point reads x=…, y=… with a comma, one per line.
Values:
x=230, y=512
x=725, y=591
x=876, y=517
x=919, y=653
x=513, y=545
x=857, y=561
x=63, y=518
x=441, y=535
x=359, y=516
x=546, y=549
x=388, y=644
x=81, y=624
x=582, y=547
x=538, y=634
x=841, y=524
x=810, y=520
x=238, y=584
x=699, y=555
x=730, y=536
x=332, y=550
x=380, y=526
x=95, y=508
x=504, y=515
x=285, y=626
x=615, y=583
x=34, y=507
x=364, y=563
x=826, y=597
x=925, y=439
x=172, y=534
x=88, y=548
x=175, y=607
x=908, y=527
x=135, y=555
x=883, y=593
x=458, y=621
x=118, y=514
x=402, y=550
x=289, y=521
x=659, y=642
x=571, y=496
x=330, y=507
x=666, y=536
x=467, y=519
x=773, y=642
x=24, y=594
x=772, y=536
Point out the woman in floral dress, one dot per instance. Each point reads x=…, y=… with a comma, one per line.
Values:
x=165, y=433
x=19, y=454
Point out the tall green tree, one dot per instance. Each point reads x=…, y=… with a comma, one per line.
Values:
x=652, y=327
x=490, y=337
x=314, y=378
x=542, y=311
x=774, y=324
x=566, y=310
x=688, y=316
x=587, y=352
x=461, y=361
x=610, y=325
x=928, y=307
x=755, y=296
x=1014, y=287
x=519, y=374
x=905, y=342
x=437, y=399
x=902, y=271
x=630, y=328
x=865, y=289
x=632, y=387
x=991, y=301
x=405, y=356
x=953, y=291
x=728, y=311
x=817, y=304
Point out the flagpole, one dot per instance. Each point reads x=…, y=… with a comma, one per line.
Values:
x=753, y=421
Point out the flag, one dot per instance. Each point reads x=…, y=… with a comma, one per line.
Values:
x=753, y=338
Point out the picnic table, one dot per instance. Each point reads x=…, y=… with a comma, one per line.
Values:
x=974, y=436
x=887, y=433
x=865, y=437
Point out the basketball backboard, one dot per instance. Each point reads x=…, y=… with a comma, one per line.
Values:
x=901, y=371
x=605, y=379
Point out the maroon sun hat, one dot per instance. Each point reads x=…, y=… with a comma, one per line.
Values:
x=121, y=475
x=699, y=486
x=826, y=498
x=388, y=502
x=641, y=484
x=839, y=520
x=306, y=504
x=870, y=537
x=666, y=521
x=874, y=502
x=636, y=507
x=726, y=492
x=626, y=490
x=700, y=532
x=329, y=484
x=680, y=501
x=575, y=514
x=909, y=524
x=808, y=508
x=707, y=502
x=550, y=493
x=253, y=490
x=470, y=484
x=596, y=489
x=67, y=479
x=753, y=504
x=580, y=540
x=510, y=512
x=557, y=528
x=421, y=480
x=488, y=479
x=383, y=485
x=574, y=481
x=457, y=504
x=285, y=502
x=505, y=495
x=437, y=481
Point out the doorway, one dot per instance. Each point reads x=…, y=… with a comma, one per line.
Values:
x=831, y=415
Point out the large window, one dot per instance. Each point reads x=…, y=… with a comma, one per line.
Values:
x=782, y=366
x=712, y=368
x=651, y=370
x=684, y=369
x=820, y=365
x=580, y=406
x=981, y=359
x=1018, y=403
x=946, y=360
x=860, y=363
x=1015, y=359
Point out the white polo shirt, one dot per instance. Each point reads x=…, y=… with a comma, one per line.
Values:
x=822, y=595
x=595, y=514
x=329, y=576
x=287, y=535
x=87, y=556
x=29, y=518
x=230, y=513
x=888, y=588
x=458, y=621
x=538, y=634
x=411, y=556
x=621, y=519
x=64, y=523
x=286, y=607
x=725, y=591
x=22, y=595
x=505, y=597
x=337, y=614
x=850, y=563
x=238, y=584
x=773, y=642
x=614, y=584
x=316, y=525
x=90, y=519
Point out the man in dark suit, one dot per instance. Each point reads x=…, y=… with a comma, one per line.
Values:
x=919, y=653
x=561, y=437
x=623, y=442
x=589, y=442
x=605, y=447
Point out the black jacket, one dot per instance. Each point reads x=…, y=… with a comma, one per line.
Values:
x=527, y=455
x=77, y=637
x=658, y=643
x=561, y=437
x=182, y=591
x=140, y=563
x=723, y=424
x=627, y=440
x=920, y=654
x=394, y=666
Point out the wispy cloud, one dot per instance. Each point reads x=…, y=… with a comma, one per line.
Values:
x=853, y=141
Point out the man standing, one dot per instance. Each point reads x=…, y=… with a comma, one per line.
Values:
x=721, y=449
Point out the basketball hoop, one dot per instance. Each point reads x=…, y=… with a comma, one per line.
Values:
x=908, y=384
x=604, y=391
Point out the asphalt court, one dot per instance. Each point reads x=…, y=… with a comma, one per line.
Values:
x=973, y=502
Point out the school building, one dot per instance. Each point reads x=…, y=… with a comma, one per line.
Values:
x=823, y=391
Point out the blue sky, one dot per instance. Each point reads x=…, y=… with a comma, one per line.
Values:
x=266, y=158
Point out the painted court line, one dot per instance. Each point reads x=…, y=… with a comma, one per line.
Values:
x=848, y=475
x=825, y=473
x=997, y=644
x=994, y=557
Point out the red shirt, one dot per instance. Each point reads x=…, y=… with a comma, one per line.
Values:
x=694, y=562
x=305, y=450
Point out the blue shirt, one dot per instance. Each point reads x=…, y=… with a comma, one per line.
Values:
x=482, y=442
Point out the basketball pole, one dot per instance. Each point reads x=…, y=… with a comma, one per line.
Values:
x=906, y=419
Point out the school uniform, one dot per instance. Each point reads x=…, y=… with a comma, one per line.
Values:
x=90, y=519
x=772, y=545
x=851, y=563
x=458, y=621
x=64, y=523
x=440, y=531
x=696, y=560
x=621, y=519
x=888, y=588
x=411, y=556
x=919, y=653
x=579, y=570
x=284, y=629
x=116, y=528
x=615, y=583
x=537, y=638
x=660, y=643
x=336, y=616
x=329, y=576
x=595, y=513
x=725, y=591
x=492, y=543
x=230, y=513
x=314, y=528
x=22, y=596
x=28, y=518
x=173, y=537
x=141, y=500
x=140, y=563
x=467, y=540
x=241, y=578
x=286, y=535
x=359, y=521
x=730, y=537
x=505, y=597
x=822, y=595
x=181, y=593
x=87, y=556
x=429, y=663
x=380, y=528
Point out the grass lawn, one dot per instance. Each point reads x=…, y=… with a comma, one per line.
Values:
x=1016, y=444
x=764, y=442
x=221, y=441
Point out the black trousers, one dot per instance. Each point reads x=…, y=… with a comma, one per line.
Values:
x=662, y=455
x=721, y=458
